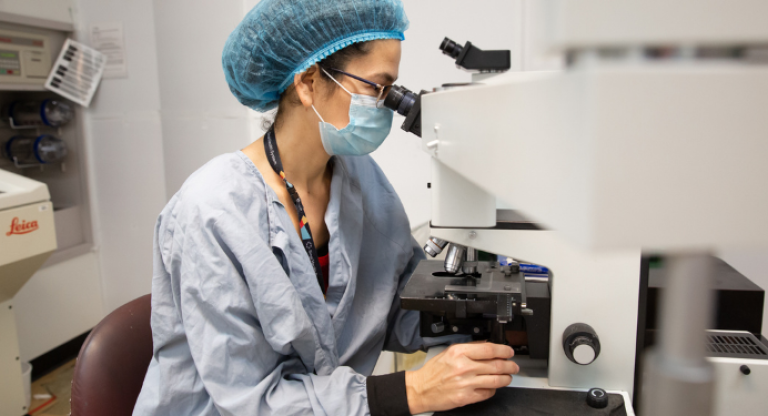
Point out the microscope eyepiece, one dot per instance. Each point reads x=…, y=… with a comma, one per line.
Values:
x=408, y=104
x=450, y=48
x=400, y=99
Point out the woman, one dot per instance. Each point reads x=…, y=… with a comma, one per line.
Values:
x=278, y=268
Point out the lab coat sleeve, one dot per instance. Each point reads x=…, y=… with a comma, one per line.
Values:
x=243, y=352
x=403, y=332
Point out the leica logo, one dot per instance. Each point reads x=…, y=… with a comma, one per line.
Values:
x=22, y=227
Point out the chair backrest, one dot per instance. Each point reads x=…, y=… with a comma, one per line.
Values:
x=112, y=363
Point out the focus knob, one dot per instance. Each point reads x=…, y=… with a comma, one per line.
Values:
x=581, y=344
x=597, y=398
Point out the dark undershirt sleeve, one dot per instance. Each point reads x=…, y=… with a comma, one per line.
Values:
x=387, y=396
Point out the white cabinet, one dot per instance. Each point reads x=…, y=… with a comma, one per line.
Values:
x=50, y=14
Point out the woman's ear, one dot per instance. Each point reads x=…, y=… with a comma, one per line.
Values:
x=305, y=84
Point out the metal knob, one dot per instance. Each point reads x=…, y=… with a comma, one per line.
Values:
x=597, y=398
x=581, y=344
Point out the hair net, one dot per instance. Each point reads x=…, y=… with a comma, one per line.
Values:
x=278, y=39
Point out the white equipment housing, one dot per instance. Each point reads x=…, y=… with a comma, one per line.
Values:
x=27, y=238
x=25, y=58
x=618, y=153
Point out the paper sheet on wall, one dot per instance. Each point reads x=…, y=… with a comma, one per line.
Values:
x=77, y=72
x=108, y=39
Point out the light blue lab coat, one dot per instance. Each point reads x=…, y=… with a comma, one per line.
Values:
x=239, y=324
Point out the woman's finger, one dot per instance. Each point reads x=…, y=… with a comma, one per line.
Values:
x=497, y=367
x=491, y=381
x=487, y=351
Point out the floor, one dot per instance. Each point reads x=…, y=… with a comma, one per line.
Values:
x=57, y=384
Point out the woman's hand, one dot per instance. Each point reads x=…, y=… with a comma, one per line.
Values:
x=460, y=375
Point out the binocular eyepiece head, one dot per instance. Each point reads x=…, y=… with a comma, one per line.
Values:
x=401, y=99
x=408, y=104
x=451, y=48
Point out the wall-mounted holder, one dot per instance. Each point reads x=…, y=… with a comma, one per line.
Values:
x=15, y=126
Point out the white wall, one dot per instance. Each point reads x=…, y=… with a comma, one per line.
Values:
x=201, y=118
x=124, y=139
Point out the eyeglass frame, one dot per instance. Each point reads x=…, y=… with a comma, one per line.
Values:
x=377, y=86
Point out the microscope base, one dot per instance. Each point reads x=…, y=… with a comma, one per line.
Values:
x=530, y=394
x=520, y=401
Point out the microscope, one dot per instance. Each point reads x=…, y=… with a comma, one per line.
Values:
x=573, y=327
x=606, y=163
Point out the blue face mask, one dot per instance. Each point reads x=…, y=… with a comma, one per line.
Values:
x=368, y=126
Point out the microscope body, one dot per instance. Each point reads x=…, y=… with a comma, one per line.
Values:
x=572, y=329
x=600, y=291
x=566, y=150
x=649, y=140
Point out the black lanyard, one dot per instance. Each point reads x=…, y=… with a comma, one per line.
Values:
x=270, y=147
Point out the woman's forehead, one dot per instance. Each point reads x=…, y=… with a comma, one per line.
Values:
x=381, y=64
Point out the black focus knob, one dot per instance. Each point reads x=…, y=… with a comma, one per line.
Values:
x=597, y=398
x=745, y=370
x=581, y=344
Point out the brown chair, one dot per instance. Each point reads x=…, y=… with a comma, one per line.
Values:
x=112, y=363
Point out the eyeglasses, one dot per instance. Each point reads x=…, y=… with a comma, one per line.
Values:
x=382, y=90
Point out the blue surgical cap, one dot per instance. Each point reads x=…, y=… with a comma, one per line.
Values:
x=278, y=39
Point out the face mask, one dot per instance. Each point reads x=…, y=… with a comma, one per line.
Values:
x=368, y=126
